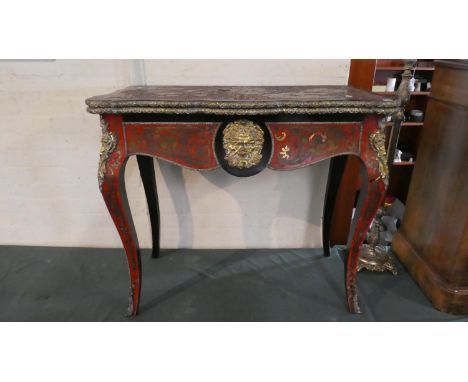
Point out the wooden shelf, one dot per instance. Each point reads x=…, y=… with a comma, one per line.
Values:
x=409, y=124
x=394, y=93
x=412, y=123
x=401, y=68
x=403, y=163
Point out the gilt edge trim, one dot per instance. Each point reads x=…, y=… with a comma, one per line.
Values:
x=242, y=110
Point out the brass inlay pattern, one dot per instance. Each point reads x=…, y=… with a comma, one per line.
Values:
x=377, y=141
x=243, y=142
x=285, y=152
x=281, y=137
x=108, y=145
x=320, y=134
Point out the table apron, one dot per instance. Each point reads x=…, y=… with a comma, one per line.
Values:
x=185, y=144
x=191, y=144
x=300, y=144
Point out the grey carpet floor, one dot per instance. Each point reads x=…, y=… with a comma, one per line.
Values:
x=84, y=284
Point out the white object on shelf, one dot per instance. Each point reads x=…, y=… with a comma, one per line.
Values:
x=379, y=88
x=411, y=84
x=397, y=158
x=391, y=82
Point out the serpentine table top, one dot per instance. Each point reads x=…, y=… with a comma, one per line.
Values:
x=230, y=100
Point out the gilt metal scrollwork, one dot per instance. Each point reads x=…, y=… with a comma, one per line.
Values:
x=377, y=141
x=108, y=145
x=130, y=301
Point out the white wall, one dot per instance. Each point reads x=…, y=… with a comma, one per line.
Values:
x=49, y=149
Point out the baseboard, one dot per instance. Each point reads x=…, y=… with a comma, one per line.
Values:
x=445, y=297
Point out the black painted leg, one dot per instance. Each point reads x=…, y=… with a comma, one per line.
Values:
x=337, y=165
x=146, y=166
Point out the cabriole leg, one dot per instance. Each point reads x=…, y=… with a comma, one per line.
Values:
x=370, y=199
x=337, y=165
x=112, y=185
x=374, y=175
x=146, y=166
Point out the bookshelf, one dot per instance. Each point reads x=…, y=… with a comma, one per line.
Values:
x=366, y=75
x=408, y=142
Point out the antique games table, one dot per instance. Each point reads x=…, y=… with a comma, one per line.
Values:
x=242, y=129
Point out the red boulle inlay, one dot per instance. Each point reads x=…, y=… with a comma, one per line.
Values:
x=297, y=145
x=187, y=144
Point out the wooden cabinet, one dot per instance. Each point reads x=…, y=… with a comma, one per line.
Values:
x=433, y=240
